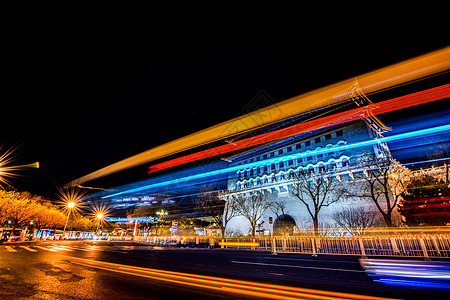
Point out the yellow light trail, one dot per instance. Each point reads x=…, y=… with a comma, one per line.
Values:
x=241, y=244
x=240, y=287
x=410, y=70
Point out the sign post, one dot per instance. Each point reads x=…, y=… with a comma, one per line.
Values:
x=274, y=246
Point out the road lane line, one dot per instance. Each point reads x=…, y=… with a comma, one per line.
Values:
x=10, y=249
x=60, y=248
x=312, y=259
x=48, y=249
x=28, y=248
x=67, y=247
x=80, y=249
x=241, y=287
x=294, y=266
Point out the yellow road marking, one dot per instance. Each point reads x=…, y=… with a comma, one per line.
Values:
x=10, y=249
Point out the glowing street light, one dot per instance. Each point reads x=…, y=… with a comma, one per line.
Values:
x=70, y=206
x=70, y=199
x=161, y=212
x=9, y=171
x=100, y=217
x=100, y=211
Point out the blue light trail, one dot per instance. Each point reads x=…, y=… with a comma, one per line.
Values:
x=412, y=134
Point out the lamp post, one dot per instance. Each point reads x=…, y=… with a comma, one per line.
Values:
x=99, y=219
x=161, y=214
x=70, y=206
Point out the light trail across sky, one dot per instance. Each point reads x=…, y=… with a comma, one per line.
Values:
x=401, y=73
x=402, y=102
x=402, y=136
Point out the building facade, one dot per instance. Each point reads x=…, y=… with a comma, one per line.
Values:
x=333, y=151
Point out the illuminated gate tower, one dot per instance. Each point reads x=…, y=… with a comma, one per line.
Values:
x=274, y=180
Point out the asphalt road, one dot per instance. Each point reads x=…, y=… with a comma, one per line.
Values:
x=127, y=270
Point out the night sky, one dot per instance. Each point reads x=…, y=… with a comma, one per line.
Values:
x=79, y=95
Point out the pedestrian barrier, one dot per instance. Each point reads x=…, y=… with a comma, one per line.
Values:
x=399, y=245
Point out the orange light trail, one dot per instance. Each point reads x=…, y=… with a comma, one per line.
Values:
x=386, y=106
x=397, y=74
x=239, y=287
x=239, y=244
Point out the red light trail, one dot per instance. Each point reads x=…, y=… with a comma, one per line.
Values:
x=386, y=106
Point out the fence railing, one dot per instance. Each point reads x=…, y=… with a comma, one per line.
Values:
x=425, y=245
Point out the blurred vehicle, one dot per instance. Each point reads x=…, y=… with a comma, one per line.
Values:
x=101, y=235
x=6, y=234
x=120, y=234
x=128, y=235
x=47, y=234
x=117, y=234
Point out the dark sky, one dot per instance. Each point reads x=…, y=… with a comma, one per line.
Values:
x=78, y=95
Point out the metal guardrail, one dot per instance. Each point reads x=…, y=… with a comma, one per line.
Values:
x=426, y=245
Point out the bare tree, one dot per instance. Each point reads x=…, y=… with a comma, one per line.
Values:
x=279, y=208
x=383, y=183
x=316, y=192
x=221, y=211
x=252, y=208
x=356, y=220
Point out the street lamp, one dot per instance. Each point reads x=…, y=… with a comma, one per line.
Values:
x=99, y=219
x=70, y=206
x=161, y=213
